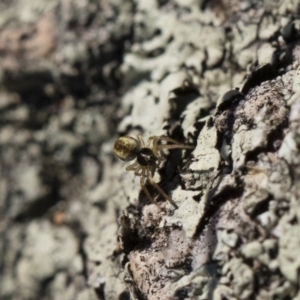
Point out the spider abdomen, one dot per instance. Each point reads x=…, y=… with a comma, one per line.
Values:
x=146, y=157
x=126, y=148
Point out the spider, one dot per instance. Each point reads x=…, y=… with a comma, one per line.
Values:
x=148, y=158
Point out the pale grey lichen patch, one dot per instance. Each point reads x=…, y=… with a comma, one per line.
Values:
x=262, y=112
x=28, y=187
x=182, y=44
x=243, y=279
x=150, y=102
x=244, y=37
x=102, y=271
x=252, y=250
x=230, y=224
x=192, y=113
x=198, y=284
x=48, y=251
x=279, y=181
x=206, y=159
x=266, y=54
x=268, y=27
x=189, y=211
x=154, y=272
x=288, y=243
x=255, y=189
x=77, y=290
x=288, y=226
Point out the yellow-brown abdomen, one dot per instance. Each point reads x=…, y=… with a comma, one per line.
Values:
x=126, y=148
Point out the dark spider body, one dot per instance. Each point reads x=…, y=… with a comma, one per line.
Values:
x=145, y=157
x=148, y=158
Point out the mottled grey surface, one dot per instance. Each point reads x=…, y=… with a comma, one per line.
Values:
x=75, y=75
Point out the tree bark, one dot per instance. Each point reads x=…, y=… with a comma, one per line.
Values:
x=222, y=76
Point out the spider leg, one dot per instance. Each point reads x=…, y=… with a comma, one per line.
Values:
x=138, y=171
x=175, y=144
x=167, y=139
x=157, y=139
x=136, y=167
x=150, y=178
x=157, y=152
x=178, y=146
x=142, y=182
x=158, y=147
x=141, y=141
x=132, y=167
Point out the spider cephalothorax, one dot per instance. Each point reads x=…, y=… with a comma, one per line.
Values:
x=148, y=157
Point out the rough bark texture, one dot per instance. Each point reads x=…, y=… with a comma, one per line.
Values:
x=223, y=76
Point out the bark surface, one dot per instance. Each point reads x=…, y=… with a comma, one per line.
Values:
x=223, y=76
